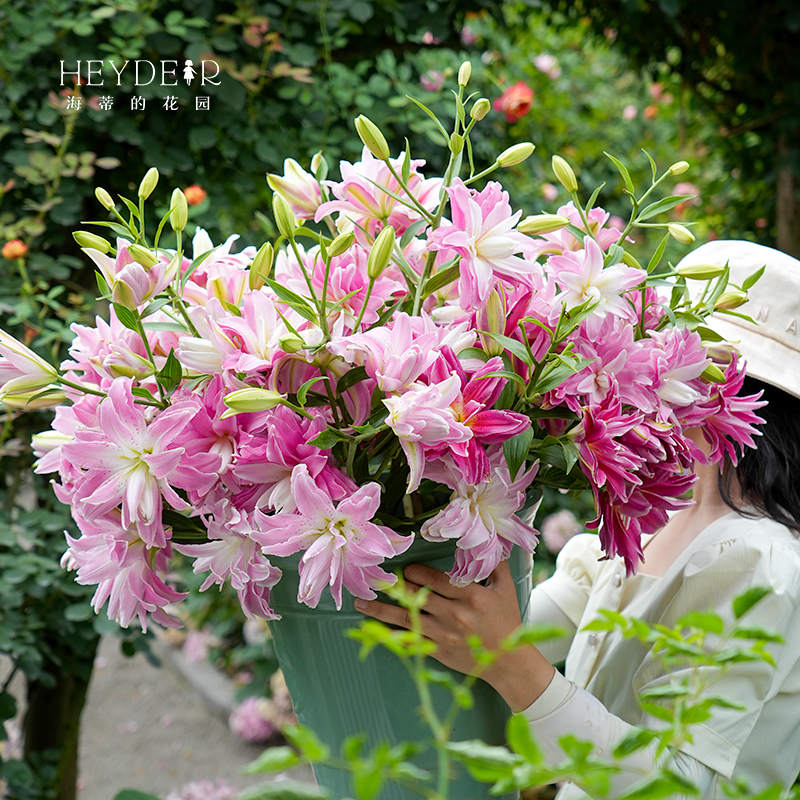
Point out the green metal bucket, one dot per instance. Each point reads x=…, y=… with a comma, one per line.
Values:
x=337, y=695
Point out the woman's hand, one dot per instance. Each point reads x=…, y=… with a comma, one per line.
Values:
x=452, y=614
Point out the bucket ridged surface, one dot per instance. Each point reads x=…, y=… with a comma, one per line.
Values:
x=337, y=695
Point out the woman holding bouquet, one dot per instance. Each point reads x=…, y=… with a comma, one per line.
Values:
x=740, y=532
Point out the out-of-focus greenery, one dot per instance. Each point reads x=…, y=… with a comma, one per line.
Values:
x=740, y=63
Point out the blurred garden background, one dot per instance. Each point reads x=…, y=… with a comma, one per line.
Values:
x=714, y=84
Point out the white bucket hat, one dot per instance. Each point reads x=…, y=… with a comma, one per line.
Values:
x=772, y=347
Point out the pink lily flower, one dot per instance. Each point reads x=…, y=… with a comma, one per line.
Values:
x=299, y=188
x=483, y=233
x=342, y=547
x=361, y=202
x=482, y=519
x=393, y=356
x=583, y=278
x=129, y=462
x=130, y=576
x=232, y=554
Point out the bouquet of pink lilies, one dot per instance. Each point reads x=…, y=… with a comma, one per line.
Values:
x=410, y=358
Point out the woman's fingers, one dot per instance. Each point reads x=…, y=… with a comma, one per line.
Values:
x=391, y=615
x=434, y=579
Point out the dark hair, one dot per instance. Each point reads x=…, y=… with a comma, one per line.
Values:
x=769, y=476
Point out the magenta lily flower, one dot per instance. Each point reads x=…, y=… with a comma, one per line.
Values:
x=342, y=547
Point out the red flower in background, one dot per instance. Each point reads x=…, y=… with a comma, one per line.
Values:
x=515, y=102
x=194, y=194
x=16, y=248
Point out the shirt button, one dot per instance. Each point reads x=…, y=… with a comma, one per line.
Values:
x=618, y=580
x=592, y=639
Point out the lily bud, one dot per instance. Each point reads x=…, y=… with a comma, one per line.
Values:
x=456, y=143
x=515, y=154
x=29, y=402
x=464, y=73
x=284, y=218
x=180, y=210
x=149, y=183
x=341, y=244
x=713, y=374
x=543, y=223
x=319, y=166
x=244, y=401
x=381, y=252
x=565, y=174
x=142, y=255
x=679, y=167
x=481, y=108
x=104, y=198
x=371, y=135
x=700, y=272
x=291, y=343
x=86, y=239
x=492, y=319
x=261, y=266
x=680, y=233
x=732, y=298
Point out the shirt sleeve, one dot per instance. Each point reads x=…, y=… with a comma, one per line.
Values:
x=564, y=709
x=576, y=568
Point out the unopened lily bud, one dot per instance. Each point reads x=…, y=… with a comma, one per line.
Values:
x=629, y=261
x=244, y=401
x=381, y=252
x=341, y=244
x=284, y=218
x=47, y=441
x=104, y=198
x=713, y=374
x=732, y=298
x=679, y=168
x=291, y=343
x=721, y=353
x=29, y=401
x=456, y=143
x=142, y=255
x=515, y=154
x=149, y=183
x=371, y=135
x=492, y=319
x=180, y=210
x=261, y=266
x=700, y=272
x=481, y=108
x=319, y=166
x=680, y=233
x=464, y=73
x=543, y=223
x=565, y=174
x=86, y=239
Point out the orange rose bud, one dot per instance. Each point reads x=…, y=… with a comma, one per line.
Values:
x=16, y=248
x=194, y=194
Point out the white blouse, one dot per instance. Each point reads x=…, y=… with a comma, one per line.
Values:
x=761, y=743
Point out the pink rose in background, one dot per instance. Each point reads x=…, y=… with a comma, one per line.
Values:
x=515, y=102
x=548, y=64
x=559, y=528
x=432, y=80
